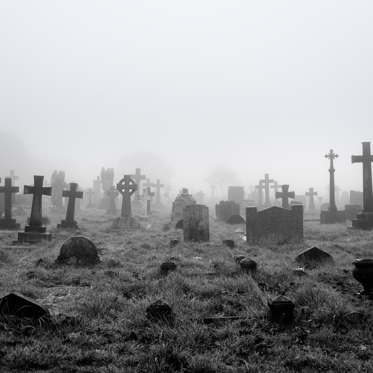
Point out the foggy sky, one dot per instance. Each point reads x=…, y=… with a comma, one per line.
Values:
x=258, y=86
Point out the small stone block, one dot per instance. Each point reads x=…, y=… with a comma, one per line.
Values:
x=168, y=266
x=314, y=254
x=229, y=243
x=281, y=308
x=235, y=219
x=248, y=265
x=159, y=310
x=173, y=243
x=16, y=304
x=34, y=237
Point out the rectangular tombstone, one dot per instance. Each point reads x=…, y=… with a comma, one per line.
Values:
x=274, y=225
x=196, y=223
x=356, y=198
x=236, y=194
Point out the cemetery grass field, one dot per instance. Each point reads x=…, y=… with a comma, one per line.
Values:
x=99, y=321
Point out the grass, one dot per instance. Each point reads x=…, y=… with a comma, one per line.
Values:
x=99, y=321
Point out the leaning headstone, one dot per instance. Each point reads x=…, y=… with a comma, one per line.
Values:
x=78, y=250
x=274, y=225
x=21, y=306
x=365, y=218
x=314, y=254
x=7, y=223
x=71, y=194
x=235, y=219
x=35, y=231
x=126, y=187
x=182, y=200
x=332, y=216
x=196, y=223
x=225, y=209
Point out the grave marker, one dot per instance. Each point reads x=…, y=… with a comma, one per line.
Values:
x=112, y=193
x=285, y=195
x=90, y=193
x=107, y=181
x=311, y=194
x=365, y=218
x=137, y=177
x=71, y=194
x=7, y=223
x=196, y=223
x=35, y=232
x=58, y=184
x=266, y=181
x=259, y=188
x=97, y=191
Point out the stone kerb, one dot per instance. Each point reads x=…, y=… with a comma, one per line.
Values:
x=274, y=225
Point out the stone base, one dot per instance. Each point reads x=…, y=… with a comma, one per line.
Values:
x=364, y=221
x=112, y=212
x=66, y=224
x=34, y=236
x=9, y=224
x=332, y=217
x=44, y=221
x=126, y=223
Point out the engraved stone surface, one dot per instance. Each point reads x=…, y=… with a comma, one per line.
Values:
x=196, y=223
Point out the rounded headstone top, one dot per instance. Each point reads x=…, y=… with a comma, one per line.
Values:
x=78, y=250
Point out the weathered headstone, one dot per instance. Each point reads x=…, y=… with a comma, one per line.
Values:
x=71, y=194
x=274, y=225
x=58, y=185
x=332, y=216
x=7, y=223
x=97, y=191
x=35, y=231
x=14, y=178
x=107, y=181
x=137, y=177
x=266, y=181
x=182, y=200
x=365, y=218
x=126, y=187
x=89, y=192
x=196, y=223
x=78, y=250
x=285, y=195
x=225, y=209
x=235, y=219
x=236, y=194
x=311, y=194
x=158, y=202
x=112, y=193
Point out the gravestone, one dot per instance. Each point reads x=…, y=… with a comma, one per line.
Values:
x=332, y=216
x=166, y=195
x=235, y=219
x=314, y=254
x=136, y=202
x=179, y=224
x=275, y=187
x=364, y=219
x=7, y=223
x=14, y=179
x=66, y=199
x=259, y=194
x=274, y=225
x=356, y=197
x=97, y=191
x=149, y=199
x=266, y=181
x=89, y=192
x=182, y=200
x=225, y=209
x=58, y=185
x=35, y=231
x=236, y=194
x=71, y=194
x=285, y=195
x=196, y=223
x=158, y=202
x=199, y=197
x=311, y=194
x=107, y=181
x=112, y=193
x=126, y=187
x=78, y=250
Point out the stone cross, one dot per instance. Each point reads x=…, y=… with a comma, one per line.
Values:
x=266, y=181
x=260, y=193
x=8, y=190
x=320, y=200
x=158, y=187
x=285, y=195
x=38, y=191
x=311, y=194
x=332, y=206
x=150, y=194
x=90, y=193
x=58, y=183
x=275, y=186
x=138, y=177
x=145, y=201
x=126, y=188
x=72, y=194
x=366, y=159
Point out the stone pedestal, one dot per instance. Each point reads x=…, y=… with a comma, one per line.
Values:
x=34, y=234
x=9, y=224
x=332, y=217
x=68, y=224
x=364, y=220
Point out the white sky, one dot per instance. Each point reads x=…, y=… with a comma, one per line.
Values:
x=260, y=86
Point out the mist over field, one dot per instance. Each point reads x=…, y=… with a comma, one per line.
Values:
x=179, y=88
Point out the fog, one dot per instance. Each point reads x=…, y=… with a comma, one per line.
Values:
x=256, y=86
